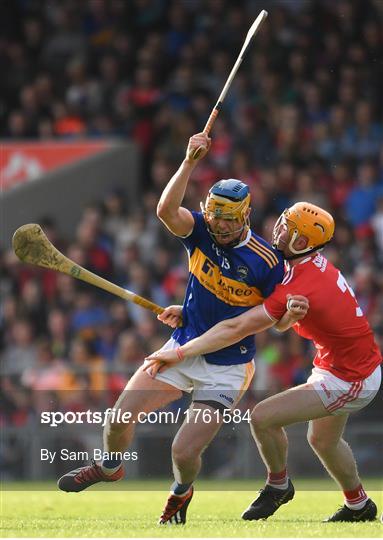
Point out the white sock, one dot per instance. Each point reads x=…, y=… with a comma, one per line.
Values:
x=278, y=480
x=355, y=499
x=355, y=506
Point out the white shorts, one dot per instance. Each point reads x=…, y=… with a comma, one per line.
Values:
x=208, y=382
x=342, y=397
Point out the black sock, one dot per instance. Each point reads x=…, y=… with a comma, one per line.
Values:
x=180, y=489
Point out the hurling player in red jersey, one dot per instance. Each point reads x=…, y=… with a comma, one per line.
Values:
x=346, y=374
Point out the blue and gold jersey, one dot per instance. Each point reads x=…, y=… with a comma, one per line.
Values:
x=223, y=283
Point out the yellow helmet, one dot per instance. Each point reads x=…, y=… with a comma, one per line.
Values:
x=309, y=220
x=228, y=199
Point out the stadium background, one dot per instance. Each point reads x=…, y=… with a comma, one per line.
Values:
x=303, y=121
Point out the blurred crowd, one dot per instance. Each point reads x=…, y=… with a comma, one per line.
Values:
x=302, y=121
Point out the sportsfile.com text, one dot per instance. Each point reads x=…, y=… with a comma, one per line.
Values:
x=57, y=418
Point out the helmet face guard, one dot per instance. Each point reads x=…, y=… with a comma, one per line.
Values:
x=305, y=219
x=228, y=200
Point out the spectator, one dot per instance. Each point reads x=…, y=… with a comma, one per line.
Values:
x=364, y=138
x=360, y=205
x=58, y=327
x=87, y=315
x=20, y=353
x=377, y=225
x=129, y=354
x=47, y=373
x=87, y=372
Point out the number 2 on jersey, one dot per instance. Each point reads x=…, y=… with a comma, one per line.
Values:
x=344, y=286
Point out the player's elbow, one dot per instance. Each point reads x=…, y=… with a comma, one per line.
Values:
x=166, y=214
x=161, y=210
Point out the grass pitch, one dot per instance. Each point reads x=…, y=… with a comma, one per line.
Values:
x=41, y=511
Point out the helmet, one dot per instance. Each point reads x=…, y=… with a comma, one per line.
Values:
x=309, y=220
x=228, y=199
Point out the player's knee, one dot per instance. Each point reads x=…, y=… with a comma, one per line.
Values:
x=182, y=455
x=259, y=418
x=115, y=426
x=319, y=443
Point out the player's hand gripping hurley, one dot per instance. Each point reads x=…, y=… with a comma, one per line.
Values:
x=214, y=113
x=32, y=246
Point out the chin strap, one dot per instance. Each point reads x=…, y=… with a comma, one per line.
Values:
x=245, y=227
x=300, y=255
x=295, y=254
x=233, y=243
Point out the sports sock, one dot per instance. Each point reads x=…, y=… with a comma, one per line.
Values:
x=180, y=489
x=278, y=480
x=110, y=466
x=356, y=498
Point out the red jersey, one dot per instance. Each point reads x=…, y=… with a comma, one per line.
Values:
x=341, y=334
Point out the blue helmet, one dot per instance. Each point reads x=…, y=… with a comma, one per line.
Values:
x=229, y=200
x=232, y=189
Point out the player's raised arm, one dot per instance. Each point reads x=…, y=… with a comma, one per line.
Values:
x=177, y=219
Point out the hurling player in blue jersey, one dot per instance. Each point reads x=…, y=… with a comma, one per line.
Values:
x=231, y=270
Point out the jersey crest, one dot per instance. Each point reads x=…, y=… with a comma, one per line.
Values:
x=223, y=283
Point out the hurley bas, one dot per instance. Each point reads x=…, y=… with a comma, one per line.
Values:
x=97, y=455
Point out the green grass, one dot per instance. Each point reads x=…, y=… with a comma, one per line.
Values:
x=118, y=513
